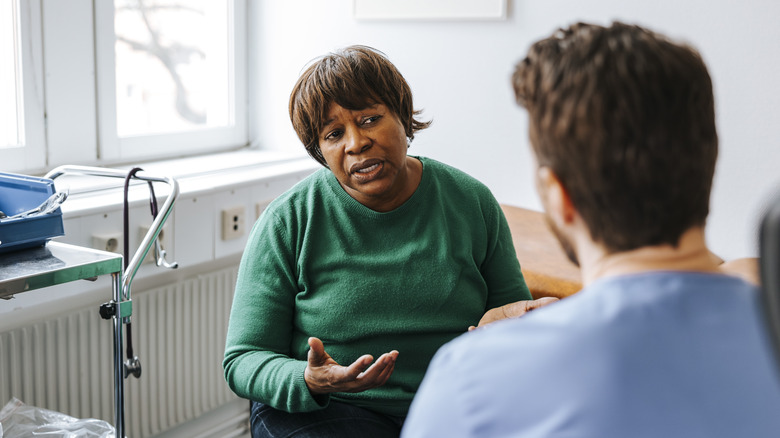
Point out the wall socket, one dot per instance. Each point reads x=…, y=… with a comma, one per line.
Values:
x=233, y=222
x=260, y=207
x=108, y=242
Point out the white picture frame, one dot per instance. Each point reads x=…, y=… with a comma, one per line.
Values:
x=430, y=9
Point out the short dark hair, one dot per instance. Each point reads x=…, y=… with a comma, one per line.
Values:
x=355, y=78
x=625, y=118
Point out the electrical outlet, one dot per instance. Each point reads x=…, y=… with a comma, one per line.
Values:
x=260, y=207
x=233, y=222
x=162, y=237
x=108, y=242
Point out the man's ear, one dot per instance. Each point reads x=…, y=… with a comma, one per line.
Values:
x=554, y=196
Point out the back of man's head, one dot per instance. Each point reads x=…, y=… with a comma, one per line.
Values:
x=625, y=119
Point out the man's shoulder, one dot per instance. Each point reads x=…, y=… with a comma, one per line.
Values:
x=665, y=285
x=544, y=333
x=590, y=319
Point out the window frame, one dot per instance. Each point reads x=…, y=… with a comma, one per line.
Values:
x=69, y=98
x=167, y=145
x=31, y=153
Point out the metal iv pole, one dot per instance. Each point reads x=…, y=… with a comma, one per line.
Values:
x=120, y=307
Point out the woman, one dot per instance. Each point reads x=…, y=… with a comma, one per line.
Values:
x=378, y=255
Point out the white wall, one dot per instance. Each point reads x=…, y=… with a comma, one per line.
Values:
x=459, y=73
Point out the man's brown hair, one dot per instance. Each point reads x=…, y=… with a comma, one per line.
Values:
x=625, y=118
x=355, y=78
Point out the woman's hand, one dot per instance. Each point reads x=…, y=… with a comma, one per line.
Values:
x=513, y=310
x=324, y=375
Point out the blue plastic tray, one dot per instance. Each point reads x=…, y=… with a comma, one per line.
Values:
x=20, y=193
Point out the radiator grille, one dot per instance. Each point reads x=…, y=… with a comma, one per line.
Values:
x=65, y=364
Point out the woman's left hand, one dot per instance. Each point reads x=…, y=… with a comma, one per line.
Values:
x=513, y=310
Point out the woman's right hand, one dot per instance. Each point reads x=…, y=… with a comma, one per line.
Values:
x=324, y=375
x=513, y=310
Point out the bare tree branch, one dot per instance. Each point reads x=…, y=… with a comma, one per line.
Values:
x=170, y=57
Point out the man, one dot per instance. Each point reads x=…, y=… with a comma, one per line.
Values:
x=660, y=342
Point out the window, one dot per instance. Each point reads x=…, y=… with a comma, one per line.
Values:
x=21, y=110
x=11, y=104
x=124, y=81
x=171, y=72
x=172, y=68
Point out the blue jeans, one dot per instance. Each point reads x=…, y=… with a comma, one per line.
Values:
x=338, y=420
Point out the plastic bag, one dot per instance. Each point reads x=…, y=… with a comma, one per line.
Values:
x=20, y=420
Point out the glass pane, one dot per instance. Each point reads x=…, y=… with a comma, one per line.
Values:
x=172, y=65
x=11, y=119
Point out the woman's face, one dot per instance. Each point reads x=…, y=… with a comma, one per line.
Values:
x=366, y=151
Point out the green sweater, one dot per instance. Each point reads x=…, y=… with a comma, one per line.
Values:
x=319, y=263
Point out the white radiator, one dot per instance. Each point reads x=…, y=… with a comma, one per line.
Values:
x=65, y=364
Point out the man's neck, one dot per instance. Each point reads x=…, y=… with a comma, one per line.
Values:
x=691, y=254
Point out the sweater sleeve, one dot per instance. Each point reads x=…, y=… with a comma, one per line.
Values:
x=258, y=363
x=501, y=268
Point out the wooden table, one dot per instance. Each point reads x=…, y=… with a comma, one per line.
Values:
x=547, y=270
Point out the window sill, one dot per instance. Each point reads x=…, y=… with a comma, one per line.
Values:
x=195, y=176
